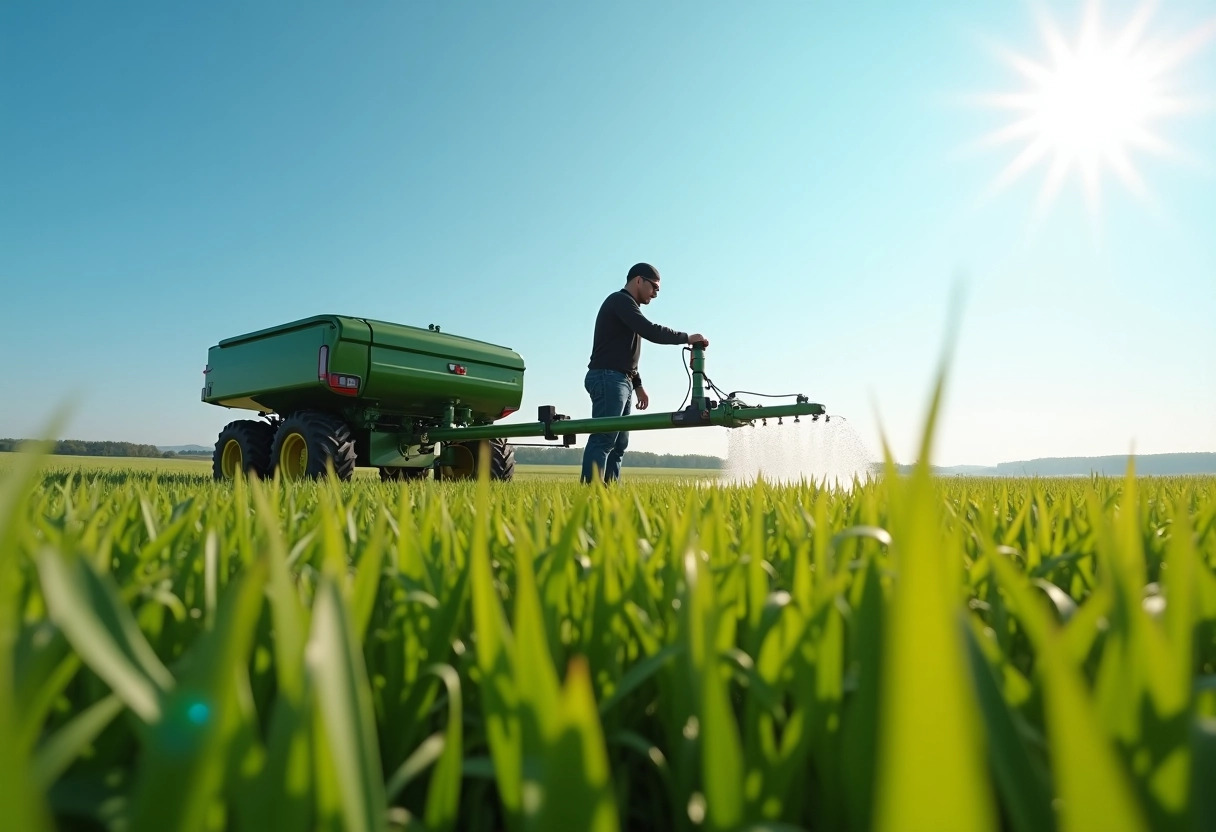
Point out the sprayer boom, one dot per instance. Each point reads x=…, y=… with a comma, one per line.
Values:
x=729, y=414
x=703, y=412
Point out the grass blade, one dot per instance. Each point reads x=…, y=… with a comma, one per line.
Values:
x=1093, y=790
x=443, y=795
x=930, y=767
x=102, y=630
x=576, y=781
x=335, y=665
x=59, y=751
x=184, y=761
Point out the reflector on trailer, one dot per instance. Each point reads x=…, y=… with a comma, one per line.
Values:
x=507, y=411
x=323, y=363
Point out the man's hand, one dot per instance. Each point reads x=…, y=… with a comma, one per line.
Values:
x=643, y=399
x=697, y=339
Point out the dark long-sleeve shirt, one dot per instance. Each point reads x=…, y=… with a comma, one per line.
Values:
x=620, y=327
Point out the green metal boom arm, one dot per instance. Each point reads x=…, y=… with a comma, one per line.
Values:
x=703, y=412
x=731, y=414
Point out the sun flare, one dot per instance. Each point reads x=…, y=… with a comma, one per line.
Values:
x=1090, y=105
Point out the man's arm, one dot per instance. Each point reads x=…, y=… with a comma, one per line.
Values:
x=633, y=318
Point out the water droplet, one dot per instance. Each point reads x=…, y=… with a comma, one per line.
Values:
x=198, y=713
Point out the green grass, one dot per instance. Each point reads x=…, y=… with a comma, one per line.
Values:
x=184, y=465
x=909, y=654
x=571, y=473
x=201, y=466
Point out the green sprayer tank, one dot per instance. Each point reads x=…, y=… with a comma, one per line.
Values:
x=337, y=392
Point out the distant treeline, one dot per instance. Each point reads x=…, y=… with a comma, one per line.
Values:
x=81, y=447
x=1152, y=465
x=634, y=459
x=1112, y=466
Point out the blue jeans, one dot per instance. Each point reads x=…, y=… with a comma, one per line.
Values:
x=610, y=396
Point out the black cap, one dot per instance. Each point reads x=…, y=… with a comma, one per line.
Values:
x=644, y=270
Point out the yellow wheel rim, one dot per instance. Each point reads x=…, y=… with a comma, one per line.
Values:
x=465, y=464
x=232, y=459
x=293, y=456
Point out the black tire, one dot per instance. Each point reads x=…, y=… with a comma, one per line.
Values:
x=398, y=474
x=245, y=446
x=307, y=442
x=501, y=459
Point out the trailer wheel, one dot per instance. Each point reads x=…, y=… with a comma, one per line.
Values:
x=242, y=446
x=395, y=473
x=501, y=458
x=307, y=442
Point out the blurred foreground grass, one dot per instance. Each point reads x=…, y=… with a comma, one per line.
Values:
x=909, y=654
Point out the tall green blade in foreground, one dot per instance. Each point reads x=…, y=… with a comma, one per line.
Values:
x=20, y=803
x=183, y=765
x=577, y=783
x=931, y=767
x=335, y=664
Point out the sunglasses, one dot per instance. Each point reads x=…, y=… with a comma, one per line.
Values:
x=652, y=282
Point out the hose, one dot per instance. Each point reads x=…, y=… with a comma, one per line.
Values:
x=709, y=384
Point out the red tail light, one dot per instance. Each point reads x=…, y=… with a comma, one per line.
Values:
x=507, y=411
x=344, y=384
x=338, y=382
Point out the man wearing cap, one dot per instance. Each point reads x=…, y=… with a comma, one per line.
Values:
x=612, y=373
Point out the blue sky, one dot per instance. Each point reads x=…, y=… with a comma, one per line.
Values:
x=808, y=178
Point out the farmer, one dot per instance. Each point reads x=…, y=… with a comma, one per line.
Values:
x=620, y=327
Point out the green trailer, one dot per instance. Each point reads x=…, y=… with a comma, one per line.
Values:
x=339, y=392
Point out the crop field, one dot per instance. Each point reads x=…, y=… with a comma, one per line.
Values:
x=906, y=654
x=200, y=467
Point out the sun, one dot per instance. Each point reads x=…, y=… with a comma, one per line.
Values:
x=1089, y=106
